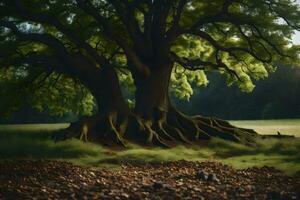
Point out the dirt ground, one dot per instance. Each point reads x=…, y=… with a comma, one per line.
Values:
x=173, y=180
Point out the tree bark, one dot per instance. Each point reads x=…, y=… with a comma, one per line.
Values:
x=151, y=97
x=151, y=105
x=153, y=121
x=159, y=123
x=104, y=85
x=109, y=124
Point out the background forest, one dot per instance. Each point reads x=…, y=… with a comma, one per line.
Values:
x=276, y=97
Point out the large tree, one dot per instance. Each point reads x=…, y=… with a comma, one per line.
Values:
x=53, y=51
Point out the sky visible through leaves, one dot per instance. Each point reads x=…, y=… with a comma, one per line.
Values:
x=296, y=38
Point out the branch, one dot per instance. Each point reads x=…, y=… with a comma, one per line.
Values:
x=108, y=29
x=127, y=16
x=50, y=20
x=270, y=4
x=173, y=32
x=42, y=63
x=219, y=16
x=160, y=13
x=179, y=10
x=229, y=50
x=44, y=38
x=192, y=64
x=70, y=64
x=199, y=64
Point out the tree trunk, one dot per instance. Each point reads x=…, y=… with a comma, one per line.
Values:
x=153, y=121
x=151, y=105
x=151, y=95
x=157, y=122
x=109, y=124
x=104, y=85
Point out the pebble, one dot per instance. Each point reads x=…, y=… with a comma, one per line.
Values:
x=202, y=175
x=169, y=180
x=213, y=177
x=157, y=185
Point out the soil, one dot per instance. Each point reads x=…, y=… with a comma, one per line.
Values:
x=172, y=180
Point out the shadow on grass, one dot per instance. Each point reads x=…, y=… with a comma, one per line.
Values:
x=138, y=154
x=40, y=146
x=283, y=154
x=285, y=147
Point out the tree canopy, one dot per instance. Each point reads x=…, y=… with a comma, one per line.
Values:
x=274, y=98
x=66, y=55
x=239, y=38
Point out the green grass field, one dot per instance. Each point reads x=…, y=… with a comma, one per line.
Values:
x=25, y=128
x=34, y=142
x=284, y=126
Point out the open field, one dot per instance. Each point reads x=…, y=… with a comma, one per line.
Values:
x=284, y=126
x=25, y=128
x=34, y=142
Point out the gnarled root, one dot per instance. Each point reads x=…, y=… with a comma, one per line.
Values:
x=181, y=128
x=169, y=129
x=175, y=127
x=203, y=128
x=104, y=129
x=145, y=132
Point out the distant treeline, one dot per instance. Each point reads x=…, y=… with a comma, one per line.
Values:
x=277, y=97
x=30, y=115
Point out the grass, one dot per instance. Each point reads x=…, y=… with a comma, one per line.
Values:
x=37, y=144
x=284, y=126
x=30, y=128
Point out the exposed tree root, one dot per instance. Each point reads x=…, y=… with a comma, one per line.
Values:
x=145, y=132
x=172, y=128
x=203, y=128
x=100, y=129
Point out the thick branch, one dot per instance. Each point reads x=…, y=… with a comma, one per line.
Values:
x=199, y=64
x=196, y=64
x=73, y=65
x=44, y=38
x=231, y=49
x=109, y=31
x=50, y=20
x=173, y=32
x=126, y=13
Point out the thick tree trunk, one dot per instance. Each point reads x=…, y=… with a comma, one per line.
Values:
x=104, y=85
x=151, y=96
x=157, y=122
x=151, y=105
x=109, y=124
x=153, y=121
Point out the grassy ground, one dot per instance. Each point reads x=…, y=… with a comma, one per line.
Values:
x=31, y=128
x=285, y=126
x=37, y=144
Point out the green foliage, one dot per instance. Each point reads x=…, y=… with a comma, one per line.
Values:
x=241, y=42
x=182, y=80
x=264, y=16
x=274, y=98
x=68, y=95
x=51, y=91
